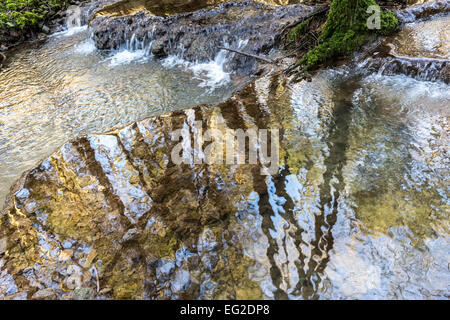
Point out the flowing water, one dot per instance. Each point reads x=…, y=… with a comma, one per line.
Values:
x=359, y=209
x=64, y=88
x=375, y=221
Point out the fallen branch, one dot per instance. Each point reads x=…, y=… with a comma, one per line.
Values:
x=249, y=55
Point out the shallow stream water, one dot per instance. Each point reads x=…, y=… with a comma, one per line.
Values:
x=359, y=209
x=64, y=88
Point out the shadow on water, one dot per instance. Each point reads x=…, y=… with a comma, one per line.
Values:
x=330, y=189
x=333, y=184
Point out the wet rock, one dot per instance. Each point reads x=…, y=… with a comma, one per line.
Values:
x=252, y=27
x=104, y=291
x=44, y=294
x=45, y=29
x=65, y=255
x=249, y=26
x=158, y=47
x=83, y=294
x=419, y=50
x=172, y=244
x=423, y=10
x=223, y=231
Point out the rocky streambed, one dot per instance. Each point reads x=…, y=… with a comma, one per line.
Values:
x=358, y=208
x=198, y=36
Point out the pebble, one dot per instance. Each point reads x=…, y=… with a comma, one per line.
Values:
x=90, y=258
x=45, y=29
x=129, y=235
x=44, y=294
x=83, y=294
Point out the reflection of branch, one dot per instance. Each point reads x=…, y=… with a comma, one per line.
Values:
x=331, y=187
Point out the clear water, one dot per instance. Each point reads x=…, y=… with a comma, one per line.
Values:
x=360, y=209
x=371, y=210
x=64, y=88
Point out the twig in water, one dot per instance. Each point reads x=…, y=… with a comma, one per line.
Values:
x=249, y=55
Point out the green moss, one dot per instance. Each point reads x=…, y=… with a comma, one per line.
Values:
x=298, y=30
x=25, y=14
x=346, y=30
x=388, y=22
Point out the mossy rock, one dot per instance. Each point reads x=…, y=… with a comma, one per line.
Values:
x=346, y=30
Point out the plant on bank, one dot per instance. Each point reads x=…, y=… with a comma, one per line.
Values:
x=345, y=30
x=23, y=14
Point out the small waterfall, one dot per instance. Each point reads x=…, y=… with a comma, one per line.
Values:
x=426, y=69
x=134, y=48
x=212, y=73
x=75, y=22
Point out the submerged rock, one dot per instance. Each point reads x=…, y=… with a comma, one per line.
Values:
x=44, y=294
x=130, y=235
x=250, y=26
x=83, y=294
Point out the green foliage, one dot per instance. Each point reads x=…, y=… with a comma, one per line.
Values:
x=388, y=23
x=23, y=14
x=298, y=30
x=346, y=30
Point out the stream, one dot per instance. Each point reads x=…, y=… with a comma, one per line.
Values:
x=64, y=88
x=359, y=209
